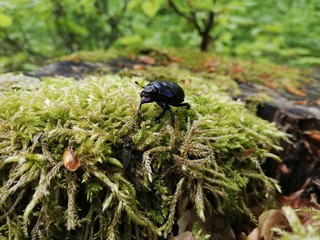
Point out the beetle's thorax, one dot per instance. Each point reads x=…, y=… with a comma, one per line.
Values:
x=149, y=94
x=149, y=89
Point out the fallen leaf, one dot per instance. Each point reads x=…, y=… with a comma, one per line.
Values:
x=70, y=160
x=254, y=235
x=283, y=168
x=295, y=200
x=236, y=69
x=266, y=76
x=186, y=220
x=292, y=200
x=295, y=91
x=174, y=59
x=211, y=66
x=215, y=225
x=211, y=69
x=301, y=102
x=269, y=220
x=139, y=67
x=279, y=219
x=314, y=134
x=270, y=84
x=163, y=62
x=147, y=59
x=308, y=146
x=184, y=236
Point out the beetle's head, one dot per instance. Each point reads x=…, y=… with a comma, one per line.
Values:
x=148, y=94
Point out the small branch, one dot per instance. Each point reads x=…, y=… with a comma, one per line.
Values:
x=194, y=19
x=20, y=47
x=62, y=29
x=177, y=10
x=114, y=22
x=204, y=31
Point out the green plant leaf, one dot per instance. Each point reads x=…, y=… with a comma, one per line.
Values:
x=151, y=7
x=5, y=21
x=130, y=40
x=133, y=4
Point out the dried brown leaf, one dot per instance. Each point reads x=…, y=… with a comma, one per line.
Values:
x=269, y=220
x=254, y=235
x=70, y=160
x=292, y=200
x=295, y=91
x=283, y=168
x=270, y=85
x=301, y=102
x=236, y=69
x=139, y=67
x=174, y=59
x=147, y=59
x=184, y=236
x=314, y=134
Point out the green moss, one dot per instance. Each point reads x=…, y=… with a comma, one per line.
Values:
x=100, y=55
x=171, y=73
x=210, y=159
x=222, y=70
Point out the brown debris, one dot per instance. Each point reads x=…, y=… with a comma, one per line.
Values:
x=295, y=91
x=147, y=59
x=70, y=160
x=314, y=134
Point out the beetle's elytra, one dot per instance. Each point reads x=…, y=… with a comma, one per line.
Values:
x=165, y=94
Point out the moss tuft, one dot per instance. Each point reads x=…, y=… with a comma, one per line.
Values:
x=210, y=159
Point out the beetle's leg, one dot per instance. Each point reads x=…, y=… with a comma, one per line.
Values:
x=160, y=115
x=139, y=109
x=184, y=104
x=165, y=107
x=139, y=114
x=172, y=116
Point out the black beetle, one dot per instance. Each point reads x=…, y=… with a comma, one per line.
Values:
x=164, y=93
x=127, y=152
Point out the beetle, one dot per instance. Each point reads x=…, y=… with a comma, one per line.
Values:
x=165, y=94
x=127, y=152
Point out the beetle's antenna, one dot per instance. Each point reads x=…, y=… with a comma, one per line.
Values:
x=138, y=84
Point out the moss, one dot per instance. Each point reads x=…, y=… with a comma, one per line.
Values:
x=210, y=159
x=267, y=73
x=171, y=73
x=208, y=65
x=100, y=55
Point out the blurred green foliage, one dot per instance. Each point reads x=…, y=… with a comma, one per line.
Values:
x=281, y=30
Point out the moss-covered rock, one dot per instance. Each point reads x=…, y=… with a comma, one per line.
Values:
x=210, y=159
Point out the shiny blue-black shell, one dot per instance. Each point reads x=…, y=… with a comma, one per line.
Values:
x=168, y=92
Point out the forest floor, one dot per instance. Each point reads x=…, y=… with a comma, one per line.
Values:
x=287, y=96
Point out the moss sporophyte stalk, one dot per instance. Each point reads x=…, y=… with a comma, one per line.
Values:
x=209, y=159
